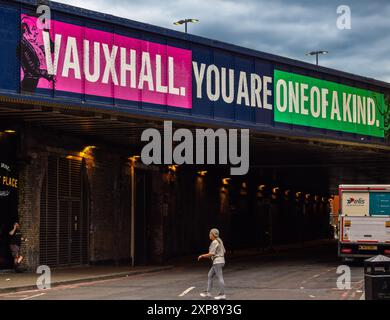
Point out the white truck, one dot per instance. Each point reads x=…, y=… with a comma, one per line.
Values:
x=364, y=221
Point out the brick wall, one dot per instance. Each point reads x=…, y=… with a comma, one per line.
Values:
x=181, y=205
x=184, y=208
x=159, y=210
x=110, y=208
x=109, y=195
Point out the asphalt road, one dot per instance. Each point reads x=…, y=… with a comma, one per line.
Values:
x=308, y=274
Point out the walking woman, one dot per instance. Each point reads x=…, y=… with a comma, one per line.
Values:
x=217, y=255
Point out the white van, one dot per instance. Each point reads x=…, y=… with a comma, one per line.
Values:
x=364, y=221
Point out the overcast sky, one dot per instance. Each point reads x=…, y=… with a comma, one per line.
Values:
x=288, y=28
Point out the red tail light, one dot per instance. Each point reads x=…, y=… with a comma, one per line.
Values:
x=387, y=252
x=345, y=250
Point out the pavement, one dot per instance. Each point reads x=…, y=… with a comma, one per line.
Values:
x=11, y=281
x=305, y=272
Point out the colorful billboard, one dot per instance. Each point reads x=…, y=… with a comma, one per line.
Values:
x=77, y=59
x=132, y=67
x=323, y=104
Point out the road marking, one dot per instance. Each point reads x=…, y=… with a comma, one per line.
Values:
x=34, y=296
x=186, y=291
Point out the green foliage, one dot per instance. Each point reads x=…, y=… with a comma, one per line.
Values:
x=386, y=116
x=386, y=121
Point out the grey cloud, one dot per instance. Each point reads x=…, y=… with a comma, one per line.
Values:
x=287, y=28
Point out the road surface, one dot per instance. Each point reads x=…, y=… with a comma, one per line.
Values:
x=308, y=274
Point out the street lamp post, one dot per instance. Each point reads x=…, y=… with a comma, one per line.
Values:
x=185, y=22
x=316, y=53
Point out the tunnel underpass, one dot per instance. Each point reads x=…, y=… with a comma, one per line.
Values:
x=284, y=198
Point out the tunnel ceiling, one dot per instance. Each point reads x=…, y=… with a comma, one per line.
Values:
x=266, y=150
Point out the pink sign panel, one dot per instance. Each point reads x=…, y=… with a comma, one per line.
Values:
x=81, y=60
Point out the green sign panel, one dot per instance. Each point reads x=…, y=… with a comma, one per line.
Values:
x=323, y=104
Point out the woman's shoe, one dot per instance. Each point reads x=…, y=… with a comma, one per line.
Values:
x=205, y=294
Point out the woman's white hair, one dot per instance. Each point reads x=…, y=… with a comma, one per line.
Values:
x=215, y=232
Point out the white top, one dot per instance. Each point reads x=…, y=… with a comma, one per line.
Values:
x=218, y=250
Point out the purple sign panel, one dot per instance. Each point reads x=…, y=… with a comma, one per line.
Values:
x=78, y=59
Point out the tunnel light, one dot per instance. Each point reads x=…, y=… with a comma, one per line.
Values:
x=134, y=158
x=9, y=131
x=173, y=168
x=225, y=181
x=71, y=157
x=88, y=148
x=86, y=152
